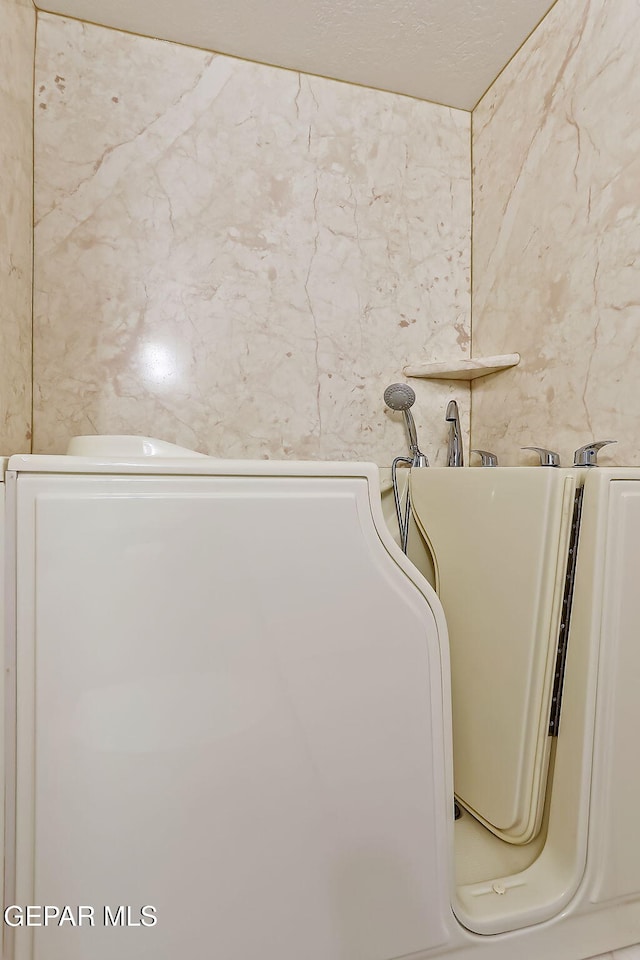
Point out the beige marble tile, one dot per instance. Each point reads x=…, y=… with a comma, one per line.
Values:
x=17, y=38
x=239, y=258
x=556, y=250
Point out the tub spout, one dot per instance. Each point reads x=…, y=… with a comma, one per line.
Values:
x=454, y=456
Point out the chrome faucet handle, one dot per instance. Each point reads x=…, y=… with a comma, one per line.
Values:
x=587, y=456
x=486, y=459
x=548, y=458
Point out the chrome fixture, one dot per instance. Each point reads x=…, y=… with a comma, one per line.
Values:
x=587, y=456
x=548, y=458
x=487, y=459
x=400, y=397
x=454, y=456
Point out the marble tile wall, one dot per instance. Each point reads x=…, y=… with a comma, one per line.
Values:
x=17, y=40
x=239, y=258
x=556, y=238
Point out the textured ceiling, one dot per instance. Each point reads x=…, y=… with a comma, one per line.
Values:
x=448, y=51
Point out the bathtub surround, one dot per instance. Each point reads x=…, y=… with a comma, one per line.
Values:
x=17, y=38
x=239, y=258
x=556, y=237
x=179, y=293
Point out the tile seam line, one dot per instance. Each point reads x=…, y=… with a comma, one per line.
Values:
x=33, y=218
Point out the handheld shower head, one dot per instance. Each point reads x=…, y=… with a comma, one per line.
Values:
x=400, y=396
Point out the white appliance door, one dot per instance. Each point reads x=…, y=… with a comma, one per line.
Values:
x=229, y=709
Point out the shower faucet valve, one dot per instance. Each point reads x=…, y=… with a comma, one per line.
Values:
x=587, y=456
x=548, y=458
x=487, y=459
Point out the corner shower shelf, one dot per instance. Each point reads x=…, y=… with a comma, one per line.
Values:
x=462, y=369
